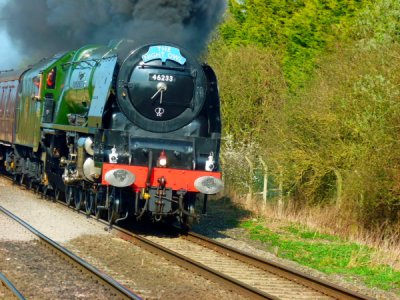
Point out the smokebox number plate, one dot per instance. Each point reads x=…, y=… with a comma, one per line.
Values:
x=162, y=77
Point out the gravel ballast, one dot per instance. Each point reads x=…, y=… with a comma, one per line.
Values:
x=148, y=275
x=38, y=272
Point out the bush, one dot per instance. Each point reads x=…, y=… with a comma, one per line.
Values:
x=252, y=89
x=312, y=89
x=344, y=134
x=300, y=30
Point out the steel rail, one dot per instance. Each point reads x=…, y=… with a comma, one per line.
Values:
x=192, y=265
x=11, y=287
x=122, y=292
x=289, y=273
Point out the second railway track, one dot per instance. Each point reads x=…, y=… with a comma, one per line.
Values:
x=8, y=290
x=46, y=270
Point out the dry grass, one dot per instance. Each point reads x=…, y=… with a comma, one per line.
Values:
x=384, y=240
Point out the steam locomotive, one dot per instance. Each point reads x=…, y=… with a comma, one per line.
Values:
x=116, y=133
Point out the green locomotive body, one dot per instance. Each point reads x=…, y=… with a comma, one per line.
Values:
x=133, y=135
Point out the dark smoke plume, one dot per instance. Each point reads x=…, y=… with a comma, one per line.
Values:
x=44, y=27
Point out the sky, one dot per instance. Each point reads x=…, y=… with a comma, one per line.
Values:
x=9, y=56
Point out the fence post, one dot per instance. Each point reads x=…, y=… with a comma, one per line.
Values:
x=265, y=186
x=250, y=193
x=339, y=188
x=280, y=188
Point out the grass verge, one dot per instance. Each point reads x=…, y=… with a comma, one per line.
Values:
x=326, y=253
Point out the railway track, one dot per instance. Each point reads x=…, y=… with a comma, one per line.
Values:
x=8, y=290
x=268, y=266
x=248, y=275
x=81, y=276
x=251, y=276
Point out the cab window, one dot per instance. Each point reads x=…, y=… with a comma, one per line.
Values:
x=36, y=86
x=51, y=79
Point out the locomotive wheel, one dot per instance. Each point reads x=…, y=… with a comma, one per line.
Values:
x=21, y=179
x=89, y=202
x=29, y=183
x=57, y=194
x=80, y=194
x=113, y=214
x=113, y=208
x=69, y=195
x=98, y=212
x=44, y=192
x=16, y=179
x=37, y=189
x=188, y=221
x=98, y=197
